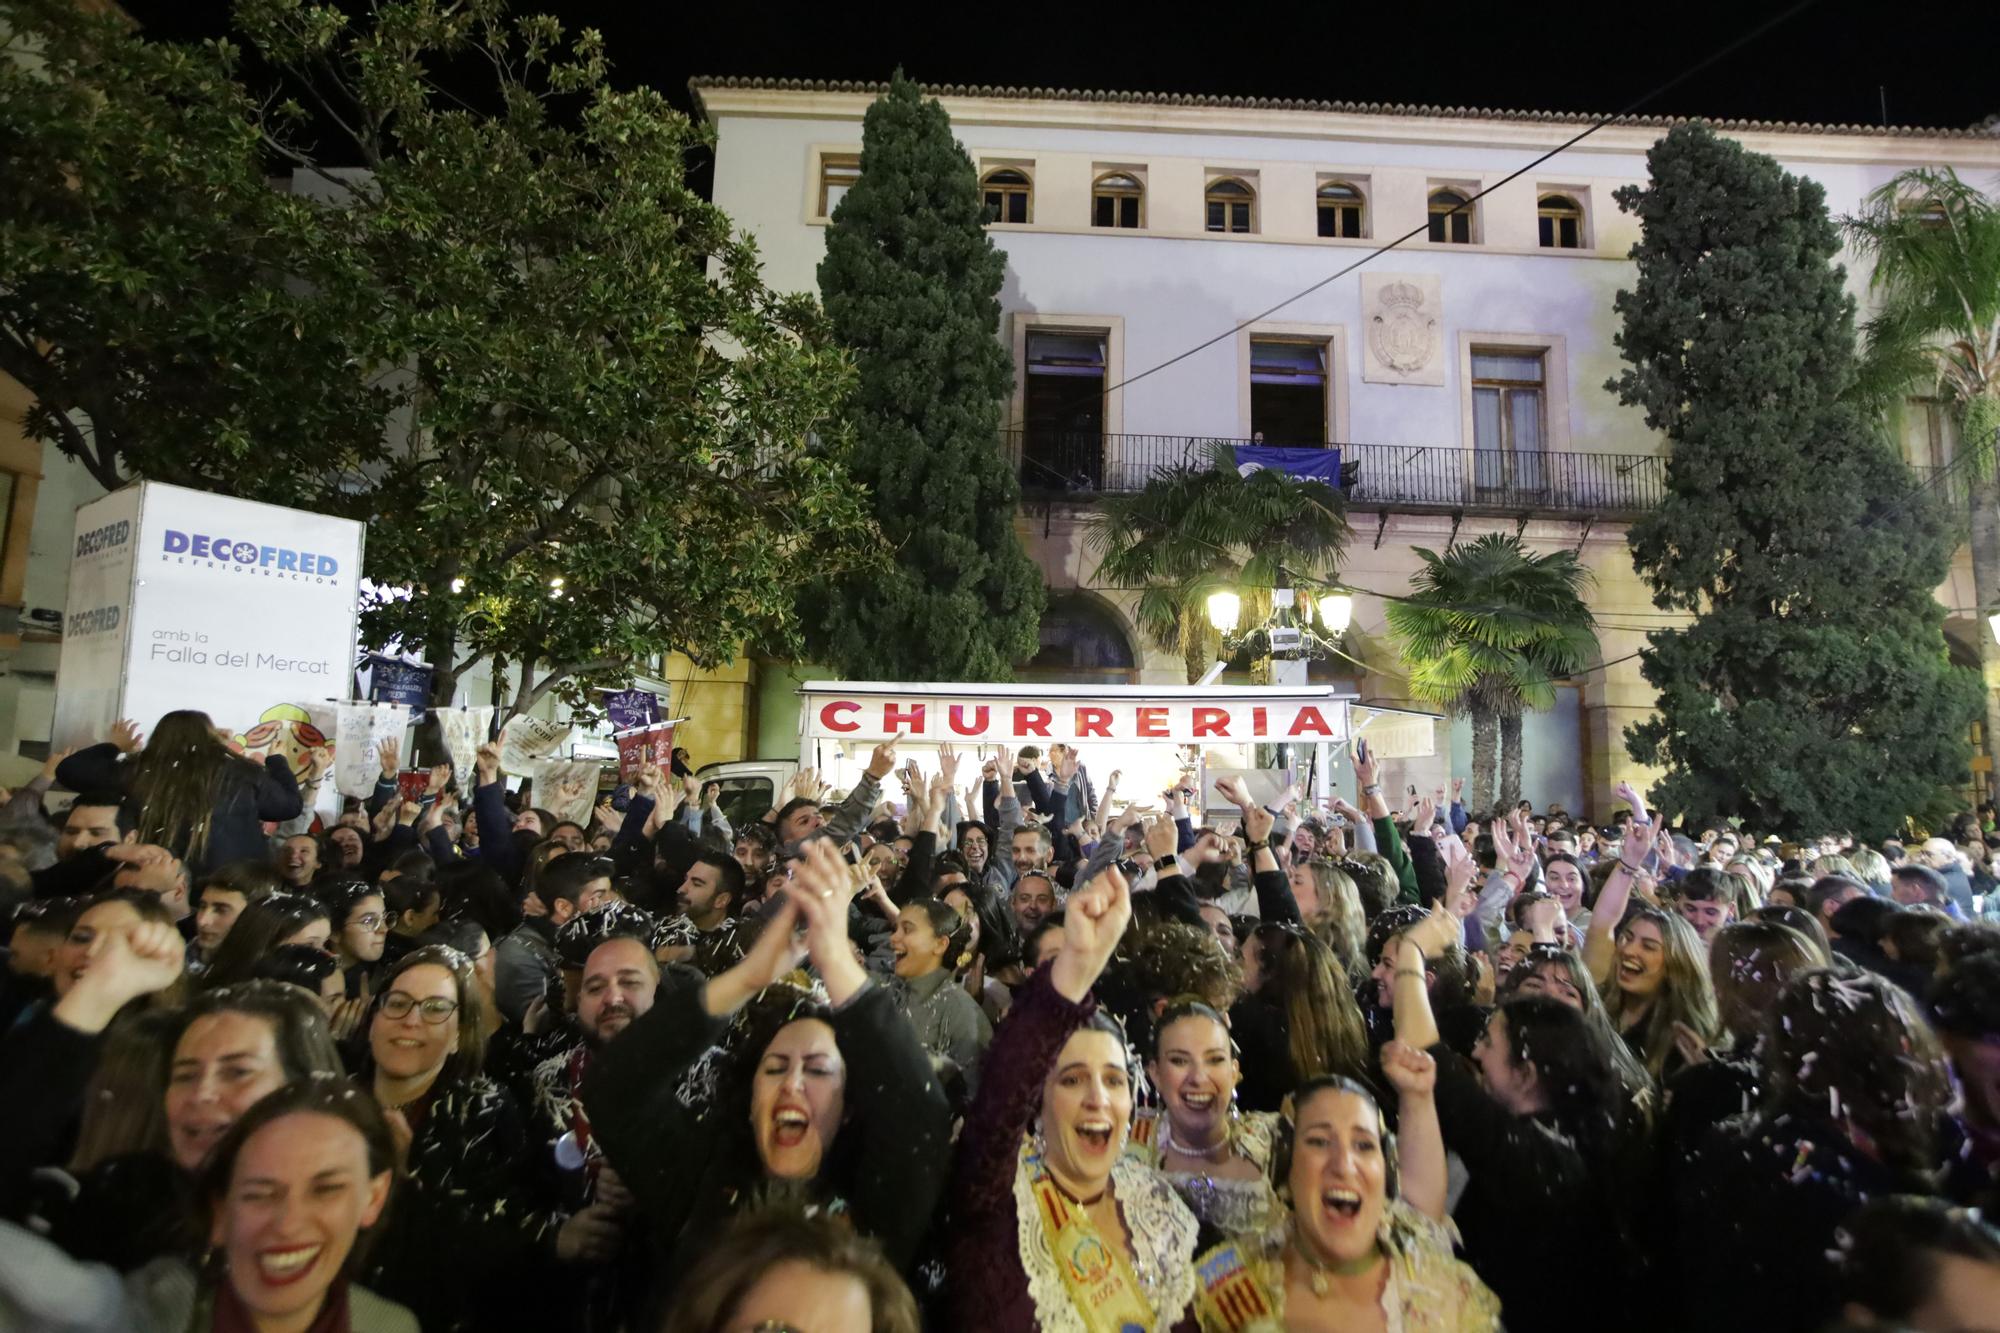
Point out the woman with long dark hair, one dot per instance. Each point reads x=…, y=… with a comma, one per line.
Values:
x=196, y=798
x=1053, y=1226
x=829, y=1101
x=1856, y=1093
x=1535, y=1117
x=282, y=918
x=288, y=1200
x=1297, y=1019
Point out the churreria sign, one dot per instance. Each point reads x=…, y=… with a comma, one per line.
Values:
x=281, y=562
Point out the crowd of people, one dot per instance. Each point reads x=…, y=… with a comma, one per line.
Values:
x=1009, y=1055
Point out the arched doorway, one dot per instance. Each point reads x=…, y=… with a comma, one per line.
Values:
x=1083, y=642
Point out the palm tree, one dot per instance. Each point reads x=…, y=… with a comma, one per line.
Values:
x=1487, y=631
x=1935, y=243
x=1199, y=527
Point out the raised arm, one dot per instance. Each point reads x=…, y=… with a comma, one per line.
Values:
x=1420, y=1155
x=1600, y=944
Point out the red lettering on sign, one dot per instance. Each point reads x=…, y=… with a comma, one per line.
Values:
x=839, y=706
x=1310, y=720
x=1211, y=722
x=1093, y=722
x=1258, y=724
x=1030, y=721
x=898, y=717
x=978, y=728
x=1153, y=722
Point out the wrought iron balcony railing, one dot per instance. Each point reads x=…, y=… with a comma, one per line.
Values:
x=1374, y=476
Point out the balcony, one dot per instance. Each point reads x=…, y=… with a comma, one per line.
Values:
x=1374, y=476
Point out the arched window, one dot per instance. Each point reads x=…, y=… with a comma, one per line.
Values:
x=1232, y=205
x=1009, y=195
x=1449, y=227
x=1082, y=642
x=1340, y=210
x=1561, y=219
x=1117, y=200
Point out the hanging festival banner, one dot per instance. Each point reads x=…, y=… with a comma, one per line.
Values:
x=647, y=745
x=391, y=680
x=464, y=731
x=568, y=787
x=360, y=729
x=627, y=709
x=527, y=743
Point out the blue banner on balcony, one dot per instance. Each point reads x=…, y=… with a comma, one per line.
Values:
x=1307, y=464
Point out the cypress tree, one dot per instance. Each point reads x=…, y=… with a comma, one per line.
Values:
x=1812, y=692
x=911, y=284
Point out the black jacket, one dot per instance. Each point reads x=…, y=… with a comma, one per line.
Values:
x=1755, y=1212
x=1535, y=1215
x=691, y=1169
x=464, y=1247
x=246, y=797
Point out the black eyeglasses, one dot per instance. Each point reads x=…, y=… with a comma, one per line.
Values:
x=397, y=1004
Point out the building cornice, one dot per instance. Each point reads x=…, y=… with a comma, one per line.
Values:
x=847, y=100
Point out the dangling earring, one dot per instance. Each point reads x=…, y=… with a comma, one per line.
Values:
x=1041, y=1144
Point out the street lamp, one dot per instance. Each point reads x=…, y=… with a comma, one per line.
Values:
x=1223, y=609
x=1336, y=611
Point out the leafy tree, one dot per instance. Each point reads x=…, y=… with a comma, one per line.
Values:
x=1201, y=527
x=1488, y=629
x=515, y=342
x=1935, y=244
x=1812, y=690
x=911, y=284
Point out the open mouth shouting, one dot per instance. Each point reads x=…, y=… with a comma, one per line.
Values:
x=1631, y=968
x=1198, y=1101
x=1342, y=1206
x=1094, y=1135
x=283, y=1265
x=789, y=1126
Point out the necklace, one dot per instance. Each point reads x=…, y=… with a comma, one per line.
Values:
x=1220, y=1152
x=1321, y=1280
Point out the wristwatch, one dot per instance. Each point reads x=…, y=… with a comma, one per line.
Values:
x=1372, y=789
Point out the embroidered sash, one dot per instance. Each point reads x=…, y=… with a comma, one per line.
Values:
x=1229, y=1296
x=1102, y=1287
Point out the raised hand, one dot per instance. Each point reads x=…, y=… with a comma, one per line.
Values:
x=1457, y=788
x=488, y=763
x=1629, y=794
x=1424, y=818
x=1459, y=872
x=388, y=754
x=1366, y=771
x=1162, y=838
x=1094, y=919
x=948, y=765
x=609, y=817
x=122, y=965
x=440, y=774
x=821, y=886
x=1257, y=824
x=1541, y=918
x=1233, y=791
x=774, y=953
x=153, y=869
x=1413, y=1073
x=1066, y=764
x=126, y=736
x=883, y=761
x=1005, y=768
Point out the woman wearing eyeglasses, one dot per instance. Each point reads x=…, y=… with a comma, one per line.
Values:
x=462, y=1231
x=360, y=916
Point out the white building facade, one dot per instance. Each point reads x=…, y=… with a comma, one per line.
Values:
x=1462, y=373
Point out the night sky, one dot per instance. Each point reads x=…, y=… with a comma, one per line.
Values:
x=1836, y=61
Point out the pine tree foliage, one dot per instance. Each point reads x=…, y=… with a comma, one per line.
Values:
x=911, y=285
x=1812, y=691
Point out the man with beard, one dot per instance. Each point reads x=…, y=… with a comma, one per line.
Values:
x=705, y=933
x=620, y=981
